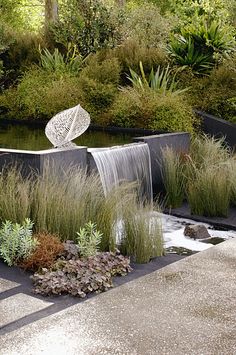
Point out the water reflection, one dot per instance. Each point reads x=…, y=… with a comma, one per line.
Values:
x=30, y=138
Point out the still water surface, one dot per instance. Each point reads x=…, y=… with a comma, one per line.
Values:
x=26, y=137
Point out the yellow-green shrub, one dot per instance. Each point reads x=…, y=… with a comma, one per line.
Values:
x=147, y=109
x=41, y=95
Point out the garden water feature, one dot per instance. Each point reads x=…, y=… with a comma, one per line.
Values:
x=130, y=162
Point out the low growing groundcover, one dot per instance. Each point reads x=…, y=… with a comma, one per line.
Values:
x=23, y=278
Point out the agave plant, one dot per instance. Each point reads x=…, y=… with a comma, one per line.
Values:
x=161, y=81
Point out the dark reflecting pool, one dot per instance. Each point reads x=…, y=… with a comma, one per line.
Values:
x=14, y=136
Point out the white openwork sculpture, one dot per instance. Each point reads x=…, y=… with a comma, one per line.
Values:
x=66, y=126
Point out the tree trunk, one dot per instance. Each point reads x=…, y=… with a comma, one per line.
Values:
x=51, y=12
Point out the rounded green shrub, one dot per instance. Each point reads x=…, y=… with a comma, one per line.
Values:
x=98, y=83
x=40, y=95
x=147, y=109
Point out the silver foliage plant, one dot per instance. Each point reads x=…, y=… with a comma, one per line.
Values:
x=88, y=239
x=16, y=241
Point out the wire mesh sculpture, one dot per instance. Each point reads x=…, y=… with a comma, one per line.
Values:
x=66, y=126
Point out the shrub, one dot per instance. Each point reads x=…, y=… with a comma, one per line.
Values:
x=130, y=54
x=88, y=240
x=98, y=83
x=90, y=25
x=103, y=70
x=20, y=55
x=215, y=94
x=97, y=97
x=146, y=109
x=41, y=95
x=81, y=277
x=16, y=241
x=147, y=27
x=173, y=177
x=48, y=248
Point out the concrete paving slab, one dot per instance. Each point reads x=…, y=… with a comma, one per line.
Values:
x=18, y=306
x=188, y=307
x=6, y=285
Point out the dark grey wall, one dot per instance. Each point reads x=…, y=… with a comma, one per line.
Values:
x=180, y=142
x=29, y=161
x=218, y=127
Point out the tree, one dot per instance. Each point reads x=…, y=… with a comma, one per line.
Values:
x=51, y=12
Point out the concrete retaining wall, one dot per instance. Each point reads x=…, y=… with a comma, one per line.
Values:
x=29, y=161
x=218, y=127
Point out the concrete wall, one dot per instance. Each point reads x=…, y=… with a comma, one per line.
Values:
x=218, y=127
x=29, y=161
x=180, y=142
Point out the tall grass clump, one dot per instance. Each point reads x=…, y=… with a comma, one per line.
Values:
x=115, y=208
x=210, y=191
x=207, y=151
x=63, y=202
x=173, y=177
x=208, y=173
x=142, y=238
x=14, y=195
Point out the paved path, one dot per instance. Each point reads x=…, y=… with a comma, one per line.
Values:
x=188, y=307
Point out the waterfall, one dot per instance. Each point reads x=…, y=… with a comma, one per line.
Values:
x=129, y=162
